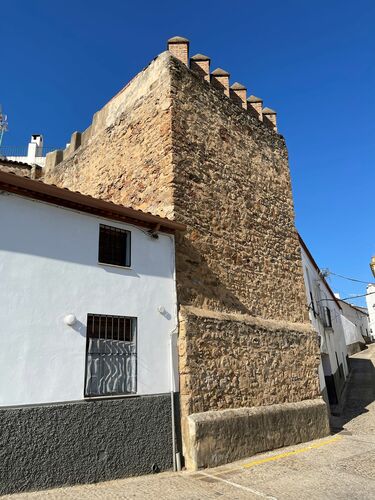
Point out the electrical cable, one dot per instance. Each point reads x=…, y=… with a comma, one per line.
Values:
x=347, y=298
x=327, y=272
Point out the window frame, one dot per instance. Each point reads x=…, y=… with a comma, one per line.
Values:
x=128, y=246
x=134, y=327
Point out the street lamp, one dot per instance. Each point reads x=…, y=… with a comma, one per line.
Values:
x=372, y=265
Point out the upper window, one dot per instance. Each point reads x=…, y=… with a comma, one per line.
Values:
x=114, y=246
x=327, y=317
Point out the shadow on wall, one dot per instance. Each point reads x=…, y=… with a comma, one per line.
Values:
x=62, y=235
x=198, y=285
x=360, y=392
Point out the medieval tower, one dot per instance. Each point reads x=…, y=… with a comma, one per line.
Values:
x=180, y=142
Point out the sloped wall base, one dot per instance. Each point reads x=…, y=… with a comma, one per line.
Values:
x=219, y=437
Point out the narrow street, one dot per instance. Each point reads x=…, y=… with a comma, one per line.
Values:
x=337, y=467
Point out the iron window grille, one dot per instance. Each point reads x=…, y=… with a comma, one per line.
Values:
x=312, y=305
x=114, y=246
x=111, y=355
x=327, y=318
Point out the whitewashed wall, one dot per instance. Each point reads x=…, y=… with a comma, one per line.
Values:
x=48, y=269
x=370, y=301
x=332, y=340
x=360, y=321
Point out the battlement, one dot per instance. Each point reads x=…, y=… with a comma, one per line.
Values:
x=219, y=79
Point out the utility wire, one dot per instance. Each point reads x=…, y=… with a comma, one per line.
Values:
x=327, y=272
x=347, y=298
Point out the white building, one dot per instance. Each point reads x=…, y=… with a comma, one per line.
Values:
x=370, y=301
x=35, y=154
x=88, y=335
x=325, y=313
x=357, y=330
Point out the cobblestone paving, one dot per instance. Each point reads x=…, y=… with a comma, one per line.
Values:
x=338, y=467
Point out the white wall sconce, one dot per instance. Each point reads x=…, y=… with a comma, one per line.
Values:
x=70, y=319
x=162, y=310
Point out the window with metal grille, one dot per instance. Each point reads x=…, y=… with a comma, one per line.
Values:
x=114, y=246
x=111, y=353
x=328, y=317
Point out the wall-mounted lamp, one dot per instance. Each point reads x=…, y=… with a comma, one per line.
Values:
x=372, y=265
x=70, y=319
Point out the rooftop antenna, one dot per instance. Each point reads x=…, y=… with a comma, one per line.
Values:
x=3, y=124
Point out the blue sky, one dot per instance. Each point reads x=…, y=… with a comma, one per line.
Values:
x=312, y=61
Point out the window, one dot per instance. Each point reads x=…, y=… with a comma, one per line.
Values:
x=312, y=304
x=114, y=246
x=110, y=355
x=327, y=317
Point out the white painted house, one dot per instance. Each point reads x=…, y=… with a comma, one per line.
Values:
x=326, y=316
x=35, y=154
x=357, y=327
x=88, y=316
x=370, y=301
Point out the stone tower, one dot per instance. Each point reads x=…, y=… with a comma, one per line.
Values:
x=179, y=141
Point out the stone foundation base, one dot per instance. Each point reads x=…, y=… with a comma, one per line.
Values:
x=219, y=437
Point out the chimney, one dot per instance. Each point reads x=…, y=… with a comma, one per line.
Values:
x=238, y=94
x=200, y=64
x=35, y=147
x=269, y=117
x=255, y=105
x=220, y=80
x=179, y=47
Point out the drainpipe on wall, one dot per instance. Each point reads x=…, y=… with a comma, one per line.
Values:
x=176, y=454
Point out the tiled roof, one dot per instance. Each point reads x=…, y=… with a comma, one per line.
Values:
x=5, y=161
x=50, y=193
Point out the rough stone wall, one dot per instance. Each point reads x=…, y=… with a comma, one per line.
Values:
x=232, y=189
x=235, y=361
x=171, y=144
x=126, y=154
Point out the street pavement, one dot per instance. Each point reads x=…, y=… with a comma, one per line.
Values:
x=339, y=466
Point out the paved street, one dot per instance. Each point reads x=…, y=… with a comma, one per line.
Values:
x=337, y=467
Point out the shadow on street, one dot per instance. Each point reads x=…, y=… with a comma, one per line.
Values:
x=360, y=392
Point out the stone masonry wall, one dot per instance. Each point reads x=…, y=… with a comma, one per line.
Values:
x=125, y=154
x=235, y=361
x=21, y=169
x=232, y=188
x=171, y=144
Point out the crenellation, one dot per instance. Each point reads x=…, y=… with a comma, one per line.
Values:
x=220, y=80
x=255, y=105
x=200, y=64
x=178, y=46
x=238, y=94
x=269, y=118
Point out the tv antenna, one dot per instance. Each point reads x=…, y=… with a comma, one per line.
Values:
x=3, y=124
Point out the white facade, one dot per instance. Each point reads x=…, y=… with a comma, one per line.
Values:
x=48, y=270
x=328, y=324
x=370, y=301
x=34, y=152
x=358, y=318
